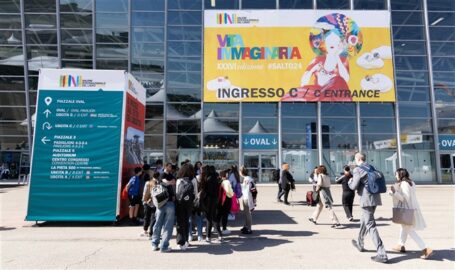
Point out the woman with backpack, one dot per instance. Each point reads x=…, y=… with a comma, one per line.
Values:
x=186, y=191
x=198, y=211
x=348, y=194
x=404, y=193
x=248, y=186
x=224, y=201
x=323, y=187
x=210, y=187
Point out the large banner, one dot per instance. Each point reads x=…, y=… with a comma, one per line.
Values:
x=297, y=55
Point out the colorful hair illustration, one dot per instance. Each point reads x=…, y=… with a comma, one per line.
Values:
x=341, y=25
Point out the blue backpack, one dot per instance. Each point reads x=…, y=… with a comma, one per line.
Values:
x=376, y=181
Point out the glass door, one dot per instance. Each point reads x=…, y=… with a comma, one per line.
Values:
x=261, y=165
x=448, y=168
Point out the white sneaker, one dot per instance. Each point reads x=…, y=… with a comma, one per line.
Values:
x=226, y=232
x=187, y=245
x=182, y=247
x=199, y=239
x=220, y=239
x=155, y=248
x=169, y=249
x=208, y=240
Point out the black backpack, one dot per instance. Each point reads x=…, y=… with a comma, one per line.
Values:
x=185, y=193
x=276, y=175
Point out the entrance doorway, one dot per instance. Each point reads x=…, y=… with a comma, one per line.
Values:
x=448, y=168
x=261, y=165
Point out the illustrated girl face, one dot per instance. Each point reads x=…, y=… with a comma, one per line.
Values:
x=333, y=43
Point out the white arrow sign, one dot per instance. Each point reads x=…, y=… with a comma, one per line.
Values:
x=47, y=112
x=245, y=142
x=47, y=125
x=274, y=141
x=44, y=140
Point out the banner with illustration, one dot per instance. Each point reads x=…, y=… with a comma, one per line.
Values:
x=298, y=55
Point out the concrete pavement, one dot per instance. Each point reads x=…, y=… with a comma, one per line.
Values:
x=283, y=238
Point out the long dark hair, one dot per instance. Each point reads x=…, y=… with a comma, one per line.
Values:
x=235, y=171
x=403, y=175
x=203, y=175
x=322, y=170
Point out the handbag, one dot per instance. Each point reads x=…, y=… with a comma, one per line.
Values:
x=401, y=215
x=235, y=206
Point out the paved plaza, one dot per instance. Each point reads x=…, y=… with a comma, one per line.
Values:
x=283, y=238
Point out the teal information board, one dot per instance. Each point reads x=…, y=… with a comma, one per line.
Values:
x=75, y=163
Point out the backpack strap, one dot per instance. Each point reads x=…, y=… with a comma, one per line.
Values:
x=365, y=168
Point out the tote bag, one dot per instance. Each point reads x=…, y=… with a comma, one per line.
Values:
x=401, y=215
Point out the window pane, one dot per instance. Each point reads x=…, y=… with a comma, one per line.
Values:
x=258, y=4
x=15, y=142
x=148, y=5
x=412, y=78
x=41, y=36
x=406, y=4
x=10, y=22
x=443, y=63
x=339, y=125
x=183, y=126
x=182, y=110
x=379, y=141
x=444, y=79
x=184, y=80
x=260, y=109
x=297, y=125
x=12, y=128
x=446, y=111
x=39, y=6
x=76, y=36
x=339, y=141
x=10, y=6
x=148, y=65
x=299, y=141
x=11, y=83
x=443, y=48
x=427, y=142
x=153, y=127
x=184, y=4
x=296, y=4
x=112, y=35
x=411, y=63
x=183, y=141
x=407, y=18
x=369, y=4
x=409, y=126
x=77, y=64
x=222, y=4
x=76, y=5
x=441, y=18
x=269, y=125
x=332, y=4
x=153, y=142
x=413, y=93
x=82, y=52
x=409, y=48
x=441, y=5
x=40, y=21
x=185, y=33
x=38, y=51
x=441, y=34
x=184, y=18
x=112, y=51
x=298, y=109
x=78, y=20
x=378, y=125
x=184, y=95
x=147, y=19
x=415, y=110
x=148, y=34
x=12, y=114
x=184, y=64
x=221, y=141
x=408, y=32
x=184, y=48
x=148, y=50
x=111, y=6
x=420, y=164
x=12, y=68
x=221, y=109
x=154, y=111
x=111, y=20
x=446, y=126
x=9, y=52
x=376, y=110
x=112, y=64
x=337, y=109
x=12, y=98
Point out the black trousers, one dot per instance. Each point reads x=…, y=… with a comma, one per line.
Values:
x=223, y=212
x=149, y=218
x=183, y=215
x=211, y=215
x=280, y=192
x=348, y=200
x=285, y=192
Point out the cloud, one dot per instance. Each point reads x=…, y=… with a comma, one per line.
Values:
x=369, y=61
x=377, y=82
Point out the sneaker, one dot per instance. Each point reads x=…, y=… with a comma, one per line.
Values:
x=427, y=253
x=287, y=203
x=199, y=239
x=243, y=229
x=220, y=239
x=357, y=246
x=279, y=200
x=231, y=217
x=336, y=226
x=145, y=234
x=155, y=248
x=379, y=259
x=247, y=232
x=312, y=220
x=226, y=232
x=187, y=245
x=164, y=250
x=182, y=247
x=351, y=219
x=399, y=248
x=208, y=240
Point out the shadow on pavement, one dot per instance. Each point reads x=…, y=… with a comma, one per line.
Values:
x=264, y=217
x=439, y=255
x=7, y=228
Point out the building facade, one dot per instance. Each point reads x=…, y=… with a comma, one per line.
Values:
x=161, y=43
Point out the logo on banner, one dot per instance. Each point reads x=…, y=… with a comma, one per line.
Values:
x=78, y=81
x=131, y=87
x=225, y=18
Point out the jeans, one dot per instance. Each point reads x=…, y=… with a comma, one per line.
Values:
x=199, y=219
x=149, y=218
x=165, y=218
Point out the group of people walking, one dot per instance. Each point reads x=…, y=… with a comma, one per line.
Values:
x=199, y=193
x=186, y=198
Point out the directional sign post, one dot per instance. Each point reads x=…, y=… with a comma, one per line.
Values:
x=260, y=141
x=447, y=142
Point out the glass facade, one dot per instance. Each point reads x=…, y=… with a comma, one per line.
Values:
x=161, y=43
